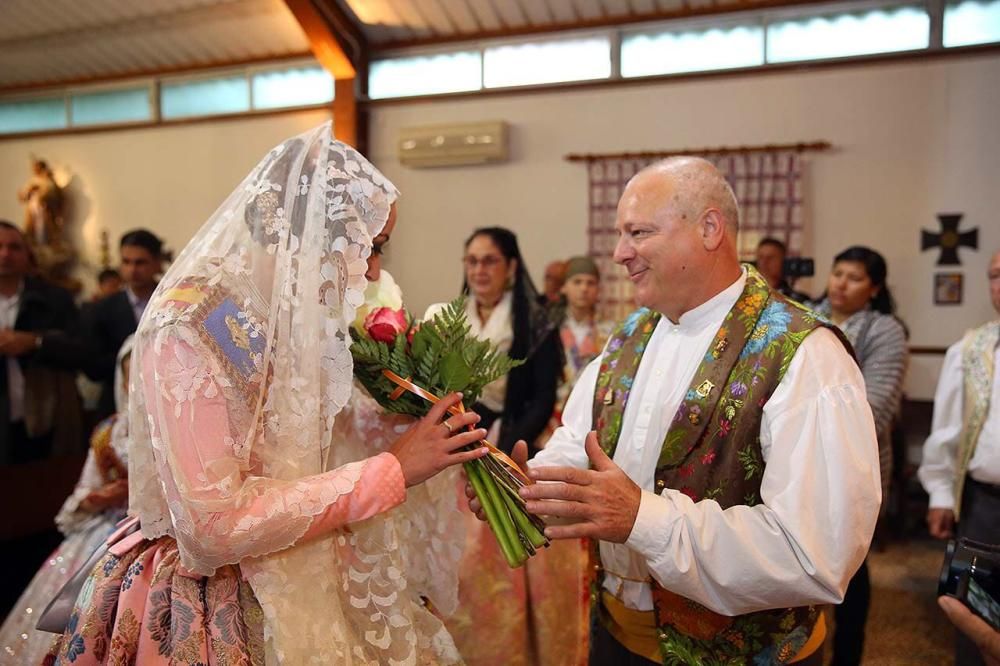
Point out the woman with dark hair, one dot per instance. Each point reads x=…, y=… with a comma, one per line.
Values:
x=503, y=307
x=858, y=301
x=542, y=618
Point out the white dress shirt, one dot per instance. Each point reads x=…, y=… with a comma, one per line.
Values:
x=138, y=304
x=820, y=490
x=937, y=470
x=580, y=329
x=9, y=307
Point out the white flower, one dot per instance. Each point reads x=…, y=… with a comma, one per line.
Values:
x=382, y=293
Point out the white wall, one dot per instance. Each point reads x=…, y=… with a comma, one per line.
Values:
x=168, y=179
x=911, y=140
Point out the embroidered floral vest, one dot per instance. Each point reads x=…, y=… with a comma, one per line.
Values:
x=712, y=451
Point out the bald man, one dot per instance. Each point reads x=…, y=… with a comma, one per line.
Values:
x=960, y=469
x=555, y=277
x=732, y=482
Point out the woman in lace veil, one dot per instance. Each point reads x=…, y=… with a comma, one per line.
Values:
x=269, y=491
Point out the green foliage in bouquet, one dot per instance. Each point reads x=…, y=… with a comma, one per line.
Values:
x=440, y=355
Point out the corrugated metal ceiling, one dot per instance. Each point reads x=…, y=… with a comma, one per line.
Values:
x=391, y=23
x=76, y=40
x=68, y=41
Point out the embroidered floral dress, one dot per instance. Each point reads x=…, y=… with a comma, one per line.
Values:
x=272, y=523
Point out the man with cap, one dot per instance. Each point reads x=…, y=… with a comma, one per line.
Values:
x=583, y=335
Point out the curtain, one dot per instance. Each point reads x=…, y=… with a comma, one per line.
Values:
x=768, y=186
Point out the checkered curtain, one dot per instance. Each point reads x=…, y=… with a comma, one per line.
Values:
x=768, y=186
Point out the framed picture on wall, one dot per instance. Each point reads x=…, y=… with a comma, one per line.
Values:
x=948, y=289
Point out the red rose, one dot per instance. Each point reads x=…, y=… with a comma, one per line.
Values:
x=384, y=324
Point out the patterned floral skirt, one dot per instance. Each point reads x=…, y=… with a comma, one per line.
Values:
x=142, y=607
x=536, y=615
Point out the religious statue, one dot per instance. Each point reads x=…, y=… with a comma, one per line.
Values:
x=44, y=226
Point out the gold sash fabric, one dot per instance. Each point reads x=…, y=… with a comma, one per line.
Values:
x=637, y=631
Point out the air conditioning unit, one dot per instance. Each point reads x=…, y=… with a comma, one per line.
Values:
x=453, y=145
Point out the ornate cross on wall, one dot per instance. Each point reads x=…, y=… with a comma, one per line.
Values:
x=949, y=239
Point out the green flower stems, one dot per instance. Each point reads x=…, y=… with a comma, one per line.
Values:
x=527, y=529
x=497, y=515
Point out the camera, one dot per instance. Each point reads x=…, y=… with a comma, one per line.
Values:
x=796, y=267
x=971, y=574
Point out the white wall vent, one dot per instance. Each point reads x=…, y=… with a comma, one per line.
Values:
x=453, y=145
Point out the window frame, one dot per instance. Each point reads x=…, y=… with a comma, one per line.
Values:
x=133, y=84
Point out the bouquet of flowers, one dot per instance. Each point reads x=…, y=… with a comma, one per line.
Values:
x=406, y=366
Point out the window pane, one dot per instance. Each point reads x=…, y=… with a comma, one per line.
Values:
x=692, y=51
x=972, y=22
x=110, y=106
x=205, y=97
x=32, y=115
x=300, y=86
x=425, y=75
x=551, y=62
x=876, y=31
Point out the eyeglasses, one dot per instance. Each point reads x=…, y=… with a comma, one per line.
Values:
x=487, y=262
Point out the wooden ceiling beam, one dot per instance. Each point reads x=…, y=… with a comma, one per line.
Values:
x=588, y=24
x=339, y=52
x=339, y=45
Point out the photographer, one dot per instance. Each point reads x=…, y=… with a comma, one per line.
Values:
x=770, y=261
x=961, y=462
x=986, y=638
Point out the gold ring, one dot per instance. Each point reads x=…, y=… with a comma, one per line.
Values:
x=451, y=431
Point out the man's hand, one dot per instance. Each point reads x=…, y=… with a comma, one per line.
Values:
x=986, y=638
x=941, y=523
x=16, y=343
x=519, y=455
x=600, y=503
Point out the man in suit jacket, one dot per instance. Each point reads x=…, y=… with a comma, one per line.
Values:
x=108, y=322
x=39, y=406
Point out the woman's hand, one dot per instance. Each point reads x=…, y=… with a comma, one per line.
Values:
x=110, y=494
x=432, y=445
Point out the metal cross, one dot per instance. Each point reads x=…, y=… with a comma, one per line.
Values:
x=949, y=239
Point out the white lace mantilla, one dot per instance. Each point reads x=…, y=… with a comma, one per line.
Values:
x=246, y=430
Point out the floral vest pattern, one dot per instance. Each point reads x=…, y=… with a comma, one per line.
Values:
x=712, y=451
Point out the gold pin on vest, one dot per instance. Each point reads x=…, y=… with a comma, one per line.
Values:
x=609, y=398
x=704, y=389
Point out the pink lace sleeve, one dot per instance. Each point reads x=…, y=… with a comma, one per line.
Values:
x=223, y=510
